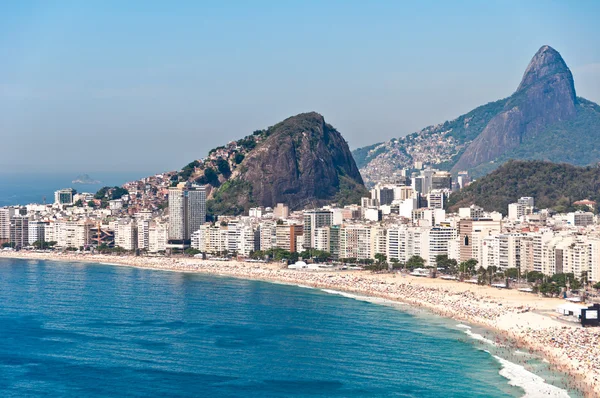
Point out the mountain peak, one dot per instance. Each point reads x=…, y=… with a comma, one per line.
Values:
x=546, y=63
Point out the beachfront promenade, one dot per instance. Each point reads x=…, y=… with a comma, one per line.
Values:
x=526, y=319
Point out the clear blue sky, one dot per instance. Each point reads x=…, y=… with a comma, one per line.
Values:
x=139, y=85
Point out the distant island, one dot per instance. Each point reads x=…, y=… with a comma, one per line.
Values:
x=85, y=179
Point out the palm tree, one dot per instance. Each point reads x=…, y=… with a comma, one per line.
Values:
x=481, y=276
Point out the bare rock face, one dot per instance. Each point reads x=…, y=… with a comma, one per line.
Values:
x=303, y=162
x=546, y=95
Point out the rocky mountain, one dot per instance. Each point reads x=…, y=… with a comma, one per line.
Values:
x=301, y=161
x=553, y=185
x=542, y=119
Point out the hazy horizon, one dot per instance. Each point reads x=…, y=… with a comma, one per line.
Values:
x=139, y=86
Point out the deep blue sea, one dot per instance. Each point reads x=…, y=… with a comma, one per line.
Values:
x=94, y=330
x=25, y=188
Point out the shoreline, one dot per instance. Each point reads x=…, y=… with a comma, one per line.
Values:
x=520, y=317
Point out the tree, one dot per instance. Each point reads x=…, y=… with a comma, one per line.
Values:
x=449, y=264
x=223, y=167
x=468, y=267
x=91, y=204
x=534, y=276
x=42, y=245
x=211, y=176
x=192, y=252
x=118, y=192
x=415, y=262
x=482, y=276
x=596, y=285
x=239, y=157
x=512, y=273
x=101, y=193
x=380, y=258
x=79, y=203
x=584, y=278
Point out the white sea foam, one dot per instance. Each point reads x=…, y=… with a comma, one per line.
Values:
x=374, y=300
x=461, y=326
x=533, y=385
x=477, y=336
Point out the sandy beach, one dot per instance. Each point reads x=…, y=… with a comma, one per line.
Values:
x=523, y=318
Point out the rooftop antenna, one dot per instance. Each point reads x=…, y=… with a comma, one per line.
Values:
x=43, y=200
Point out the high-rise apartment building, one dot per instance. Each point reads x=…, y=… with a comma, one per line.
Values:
x=314, y=219
x=6, y=213
x=187, y=212
x=19, y=230
x=64, y=196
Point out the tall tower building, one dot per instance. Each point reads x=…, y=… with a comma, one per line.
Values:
x=64, y=196
x=314, y=219
x=187, y=212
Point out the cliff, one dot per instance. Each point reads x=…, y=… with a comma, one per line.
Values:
x=543, y=119
x=301, y=161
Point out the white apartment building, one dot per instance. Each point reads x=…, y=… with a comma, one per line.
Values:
x=314, y=219
x=67, y=233
x=158, y=236
x=37, y=231
x=472, y=212
x=268, y=235
x=6, y=213
x=126, y=234
x=355, y=242
x=580, y=218
x=323, y=239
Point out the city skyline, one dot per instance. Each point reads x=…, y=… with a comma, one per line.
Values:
x=81, y=91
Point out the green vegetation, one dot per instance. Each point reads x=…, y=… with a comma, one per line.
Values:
x=450, y=265
x=316, y=255
x=349, y=192
x=415, y=262
x=552, y=185
x=223, y=167
x=188, y=170
x=210, y=177
x=362, y=157
x=43, y=245
x=275, y=254
x=560, y=142
x=467, y=127
x=109, y=193
x=467, y=268
x=233, y=198
x=191, y=251
x=239, y=158
x=247, y=143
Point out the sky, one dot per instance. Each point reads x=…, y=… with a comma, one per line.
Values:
x=96, y=86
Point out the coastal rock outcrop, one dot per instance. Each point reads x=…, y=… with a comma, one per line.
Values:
x=542, y=119
x=546, y=95
x=304, y=161
x=301, y=162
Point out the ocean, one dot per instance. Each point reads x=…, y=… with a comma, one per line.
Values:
x=96, y=330
x=26, y=188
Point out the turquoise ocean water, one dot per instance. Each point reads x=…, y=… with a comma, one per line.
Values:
x=93, y=330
